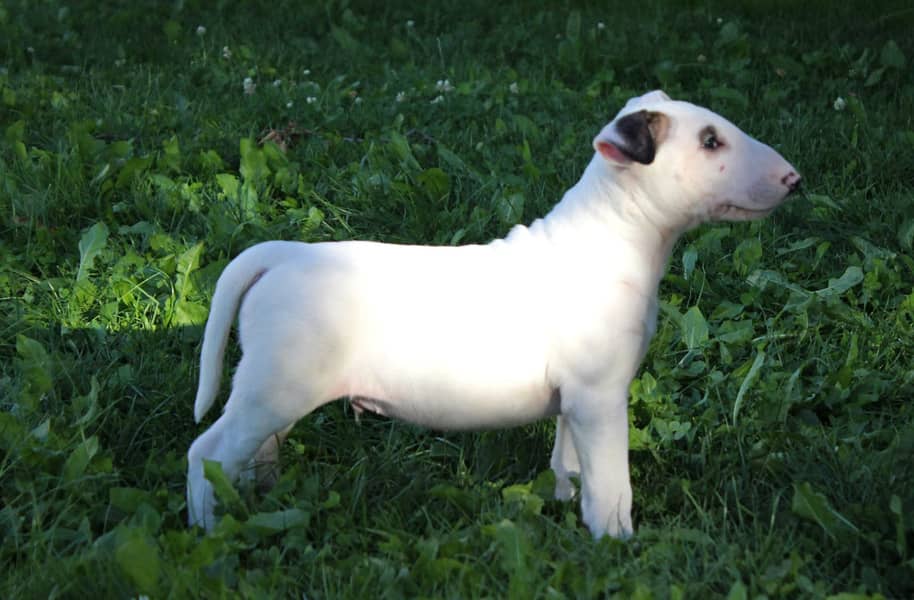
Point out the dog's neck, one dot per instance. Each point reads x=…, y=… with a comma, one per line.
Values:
x=606, y=214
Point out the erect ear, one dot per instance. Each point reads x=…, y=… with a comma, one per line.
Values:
x=652, y=96
x=634, y=137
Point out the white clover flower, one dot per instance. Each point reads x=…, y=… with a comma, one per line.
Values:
x=444, y=85
x=277, y=82
x=601, y=25
x=306, y=72
x=410, y=23
x=513, y=88
x=720, y=20
x=840, y=103
x=702, y=58
x=30, y=50
x=310, y=99
x=201, y=30
x=249, y=86
x=289, y=104
x=401, y=97
x=120, y=62
x=358, y=100
x=226, y=53
x=438, y=99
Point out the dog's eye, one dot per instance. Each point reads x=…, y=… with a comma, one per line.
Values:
x=709, y=139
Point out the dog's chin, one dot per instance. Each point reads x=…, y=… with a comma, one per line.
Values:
x=732, y=212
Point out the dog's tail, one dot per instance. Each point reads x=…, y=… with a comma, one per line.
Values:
x=235, y=281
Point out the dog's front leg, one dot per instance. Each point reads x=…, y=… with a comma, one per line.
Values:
x=597, y=418
x=564, y=461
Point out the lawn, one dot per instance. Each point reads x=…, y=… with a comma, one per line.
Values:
x=143, y=145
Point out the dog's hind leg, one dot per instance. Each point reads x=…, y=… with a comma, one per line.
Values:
x=264, y=468
x=232, y=441
x=264, y=405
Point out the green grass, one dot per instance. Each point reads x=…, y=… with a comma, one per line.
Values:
x=772, y=423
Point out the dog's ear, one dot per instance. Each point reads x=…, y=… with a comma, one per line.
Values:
x=634, y=137
x=653, y=96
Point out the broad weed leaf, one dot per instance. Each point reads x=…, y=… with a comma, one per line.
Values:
x=510, y=209
x=189, y=313
x=344, y=39
x=726, y=93
x=747, y=255
x=521, y=494
x=813, y=506
x=892, y=56
x=463, y=499
x=901, y=541
x=127, y=499
x=171, y=155
x=454, y=162
x=435, y=182
x=224, y=489
x=267, y=523
x=87, y=405
x=573, y=25
x=15, y=132
x=906, y=234
x=694, y=329
x=746, y=385
x=738, y=591
x=229, y=184
x=79, y=459
x=92, y=242
x=187, y=264
x=35, y=365
x=131, y=169
x=254, y=167
x=735, y=332
x=514, y=549
x=400, y=146
x=544, y=484
x=836, y=287
x=689, y=258
x=138, y=557
x=185, y=312
x=332, y=501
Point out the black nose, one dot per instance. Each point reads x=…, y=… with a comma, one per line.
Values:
x=792, y=181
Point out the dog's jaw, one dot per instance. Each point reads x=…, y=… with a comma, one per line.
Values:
x=732, y=212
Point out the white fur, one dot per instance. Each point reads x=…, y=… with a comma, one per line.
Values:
x=552, y=320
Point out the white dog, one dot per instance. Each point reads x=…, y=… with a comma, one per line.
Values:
x=551, y=321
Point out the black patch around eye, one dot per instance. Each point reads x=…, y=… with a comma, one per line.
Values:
x=708, y=138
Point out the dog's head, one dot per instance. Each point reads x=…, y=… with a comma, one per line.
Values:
x=696, y=164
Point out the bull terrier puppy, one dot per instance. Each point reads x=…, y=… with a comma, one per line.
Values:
x=551, y=321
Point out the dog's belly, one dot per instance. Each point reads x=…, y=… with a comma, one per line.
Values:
x=444, y=407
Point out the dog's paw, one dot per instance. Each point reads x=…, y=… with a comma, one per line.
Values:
x=609, y=514
x=564, y=487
